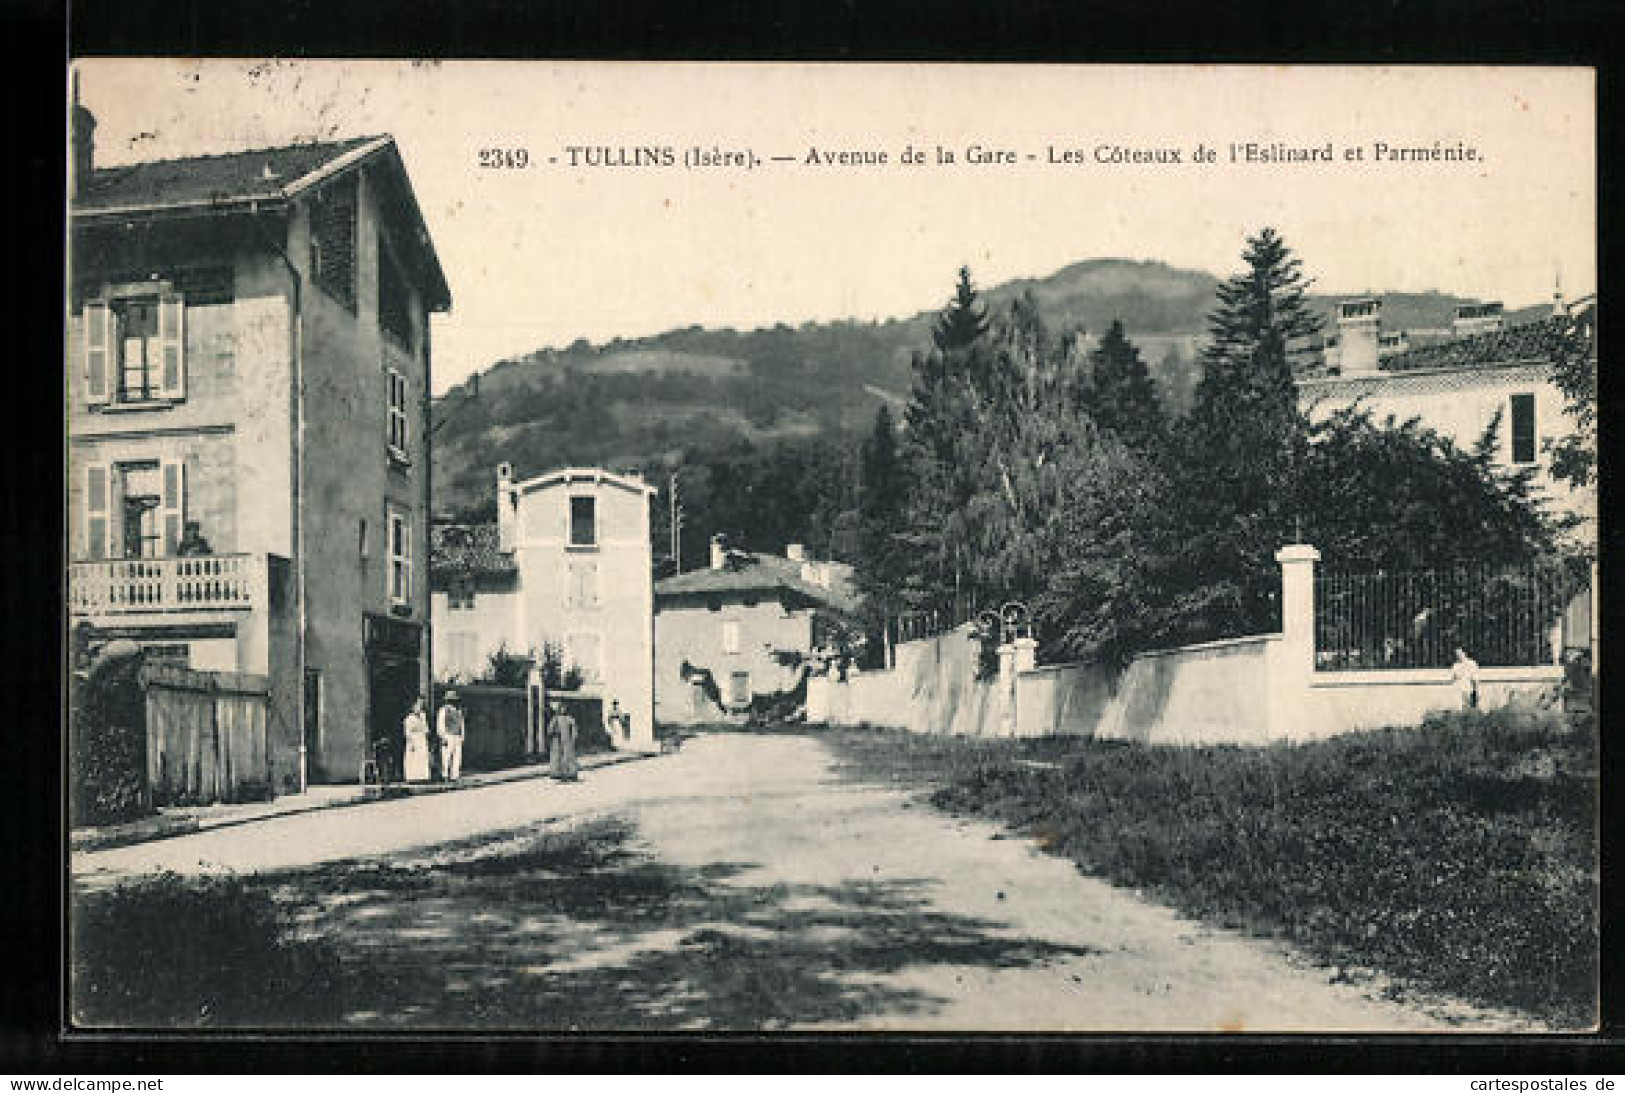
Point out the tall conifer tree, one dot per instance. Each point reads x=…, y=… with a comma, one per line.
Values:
x=1242, y=444
x=1123, y=397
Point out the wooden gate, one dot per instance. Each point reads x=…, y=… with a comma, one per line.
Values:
x=205, y=735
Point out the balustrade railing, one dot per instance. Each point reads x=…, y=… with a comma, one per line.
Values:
x=129, y=586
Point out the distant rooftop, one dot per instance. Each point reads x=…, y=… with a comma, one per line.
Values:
x=1432, y=350
x=1536, y=341
x=468, y=550
x=765, y=574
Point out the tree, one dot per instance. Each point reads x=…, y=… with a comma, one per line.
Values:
x=964, y=320
x=1401, y=496
x=1123, y=397
x=1574, y=371
x=883, y=498
x=1108, y=595
x=1241, y=445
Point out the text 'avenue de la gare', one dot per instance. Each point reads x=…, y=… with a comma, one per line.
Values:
x=1106, y=154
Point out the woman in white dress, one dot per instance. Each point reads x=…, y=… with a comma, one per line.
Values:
x=416, y=761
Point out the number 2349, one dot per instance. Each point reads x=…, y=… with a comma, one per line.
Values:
x=500, y=158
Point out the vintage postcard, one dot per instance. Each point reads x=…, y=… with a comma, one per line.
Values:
x=699, y=547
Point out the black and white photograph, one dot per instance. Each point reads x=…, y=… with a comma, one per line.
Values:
x=633, y=547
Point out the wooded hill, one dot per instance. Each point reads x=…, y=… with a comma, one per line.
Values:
x=649, y=402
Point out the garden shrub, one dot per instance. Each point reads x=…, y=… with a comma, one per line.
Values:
x=108, y=741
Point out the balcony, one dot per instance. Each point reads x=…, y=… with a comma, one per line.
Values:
x=146, y=586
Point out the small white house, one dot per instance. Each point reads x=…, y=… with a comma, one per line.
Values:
x=1457, y=382
x=567, y=564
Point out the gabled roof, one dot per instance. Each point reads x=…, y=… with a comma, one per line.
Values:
x=566, y=475
x=760, y=574
x=261, y=174
x=260, y=178
x=468, y=550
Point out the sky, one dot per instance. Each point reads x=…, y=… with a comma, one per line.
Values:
x=543, y=254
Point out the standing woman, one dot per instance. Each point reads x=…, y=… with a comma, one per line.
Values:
x=564, y=744
x=416, y=759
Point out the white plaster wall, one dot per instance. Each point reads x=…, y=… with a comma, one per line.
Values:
x=1207, y=694
x=1459, y=404
x=623, y=617
x=486, y=626
x=692, y=632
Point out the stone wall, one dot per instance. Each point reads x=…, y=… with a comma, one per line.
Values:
x=1251, y=690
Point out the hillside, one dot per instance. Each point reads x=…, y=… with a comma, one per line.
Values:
x=649, y=401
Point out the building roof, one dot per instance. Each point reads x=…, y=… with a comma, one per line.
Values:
x=468, y=550
x=1536, y=341
x=261, y=177
x=762, y=574
x=262, y=173
x=566, y=475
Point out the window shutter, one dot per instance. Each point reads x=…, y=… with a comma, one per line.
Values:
x=98, y=482
x=172, y=346
x=98, y=340
x=395, y=421
x=172, y=505
x=406, y=419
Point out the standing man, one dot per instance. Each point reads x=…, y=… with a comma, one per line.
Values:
x=449, y=727
x=1464, y=674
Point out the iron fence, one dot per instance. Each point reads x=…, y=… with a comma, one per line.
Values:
x=1502, y=617
x=919, y=625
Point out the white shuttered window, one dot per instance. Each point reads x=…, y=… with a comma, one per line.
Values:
x=171, y=346
x=400, y=558
x=172, y=504
x=98, y=333
x=399, y=434
x=97, y=511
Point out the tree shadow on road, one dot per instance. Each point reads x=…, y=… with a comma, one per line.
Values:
x=584, y=930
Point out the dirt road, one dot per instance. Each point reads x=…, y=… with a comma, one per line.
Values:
x=742, y=883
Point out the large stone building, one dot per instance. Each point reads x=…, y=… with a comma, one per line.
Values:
x=1481, y=371
x=568, y=564
x=249, y=366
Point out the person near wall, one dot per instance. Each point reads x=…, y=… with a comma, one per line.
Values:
x=1464, y=674
x=562, y=731
x=415, y=761
x=449, y=728
x=620, y=725
x=193, y=544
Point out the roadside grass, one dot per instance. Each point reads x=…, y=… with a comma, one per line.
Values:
x=1459, y=857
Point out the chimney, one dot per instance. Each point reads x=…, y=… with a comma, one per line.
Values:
x=1478, y=319
x=1359, y=326
x=507, y=508
x=796, y=552
x=82, y=136
x=1559, y=306
x=719, y=552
